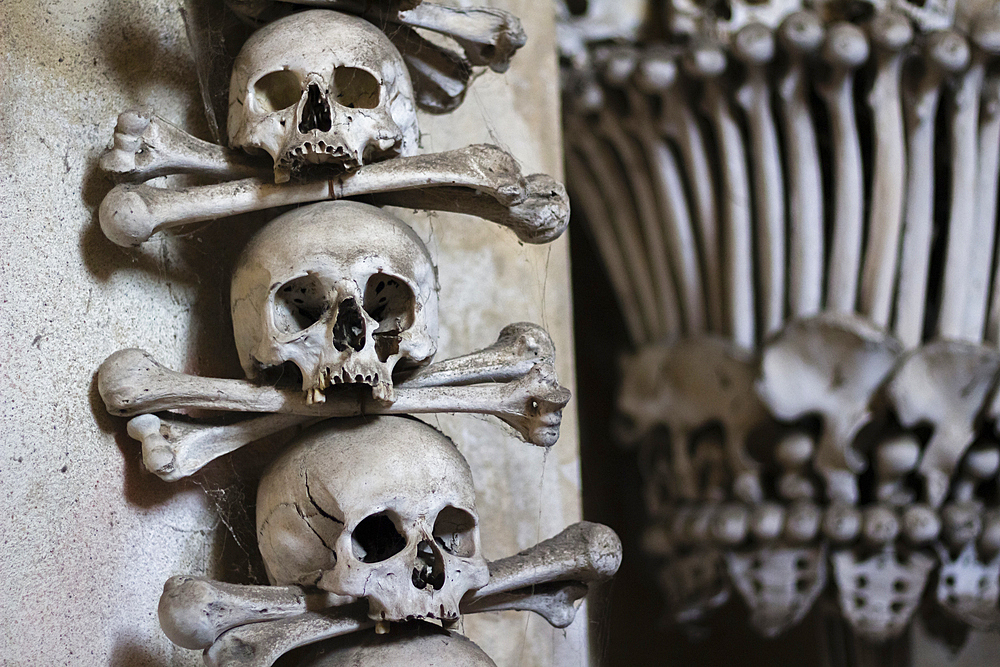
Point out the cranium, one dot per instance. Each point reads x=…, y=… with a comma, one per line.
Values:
x=418, y=644
x=321, y=87
x=341, y=290
x=382, y=509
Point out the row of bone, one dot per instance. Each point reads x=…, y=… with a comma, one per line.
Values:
x=336, y=111
x=871, y=399
x=732, y=215
x=349, y=543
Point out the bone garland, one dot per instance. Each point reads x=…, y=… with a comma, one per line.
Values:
x=131, y=382
x=845, y=49
x=754, y=46
x=946, y=53
x=890, y=33
x=477, y=180
x=801, y=35
x=200, y=613
x=173, y=449
x=146, y=146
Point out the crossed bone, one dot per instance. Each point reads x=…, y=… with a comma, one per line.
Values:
x=513, y=379
x=252, y=626
x=480, y=180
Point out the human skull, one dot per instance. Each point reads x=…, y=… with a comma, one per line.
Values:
x=342, y=290
x=417, y=644
x=382, y=509
x=321, y=87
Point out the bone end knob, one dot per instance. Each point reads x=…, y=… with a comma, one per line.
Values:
x=754, y=44
x=182, y=597
x=801, y=32
x=842, y=523
x=982, y=464
x=731, y=524
x=619, y=66
x=803, y=522
x=948, y=51
x=767, y=521
x=125, y=216
x=880, y=525
x=962, y=523
x=846, y=47
x=921, y=524
x=894, y=459
x=793, y=454
x=157, y=455
x=891, y=31
x=655, y=74
x=705, y=61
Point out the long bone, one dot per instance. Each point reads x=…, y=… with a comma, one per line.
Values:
x=945, y=53
x=677, y=123
x=967, y=257
x=829, y=366
x=801, y=35
x=146, y=146
x=480, y=180
x=986, y=37
x=890, y=33
x=131, y=382
x=624, y=218
x=617, y=70
x=944, y=384
x=844, y=50
x=174, y=449
x=653, y=75
x=707, y=62
x=987, y=185
x=754, y=46
x=223, y=618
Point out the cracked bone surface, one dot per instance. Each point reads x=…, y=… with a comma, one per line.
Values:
x=480, y=180
x=199, y=613
x=173, y=449
x=830, y=366
x=943, y=384
x=131, y=383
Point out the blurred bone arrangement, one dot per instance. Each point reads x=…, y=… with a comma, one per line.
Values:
x=796, y=205
x=366, y=520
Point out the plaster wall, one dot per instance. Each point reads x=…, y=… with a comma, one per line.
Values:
x=87, y=537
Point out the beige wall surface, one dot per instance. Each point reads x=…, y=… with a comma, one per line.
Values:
x=87, y=536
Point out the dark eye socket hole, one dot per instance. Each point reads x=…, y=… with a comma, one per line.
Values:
x=390, y=302
x=454, y=530
x=278, y=90
x=376, y=539
x=299, y=304
x=355, y=88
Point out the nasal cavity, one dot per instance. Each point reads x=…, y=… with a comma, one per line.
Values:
x=349, y=329
x=316, y=111
x=428, y=571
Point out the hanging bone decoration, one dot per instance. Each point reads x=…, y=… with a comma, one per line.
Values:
x=350, y=543
x=841, y=158
x=368, y=522
x=338, y=112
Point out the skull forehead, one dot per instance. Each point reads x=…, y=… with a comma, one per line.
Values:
x=366, y=465
x=340, y=234
x=315, y=41
x=416, y=644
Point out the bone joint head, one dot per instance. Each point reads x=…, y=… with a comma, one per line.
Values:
x=321, y=87
x=341, y=290
x=381, y=509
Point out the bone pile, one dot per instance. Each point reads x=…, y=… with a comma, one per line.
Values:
x=367, y=517
x=796, y=208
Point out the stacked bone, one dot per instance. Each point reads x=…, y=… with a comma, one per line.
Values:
x=796, y=211
x=361, y=523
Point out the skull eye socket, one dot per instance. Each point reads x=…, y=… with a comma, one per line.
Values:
x=356, y=88
x=376, y=539
x=455, y=531
x=390, y=302
x=277, y=90
x=299, y=304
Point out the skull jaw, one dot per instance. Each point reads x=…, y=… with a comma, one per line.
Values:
x=352, y=369
x=336, y=152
